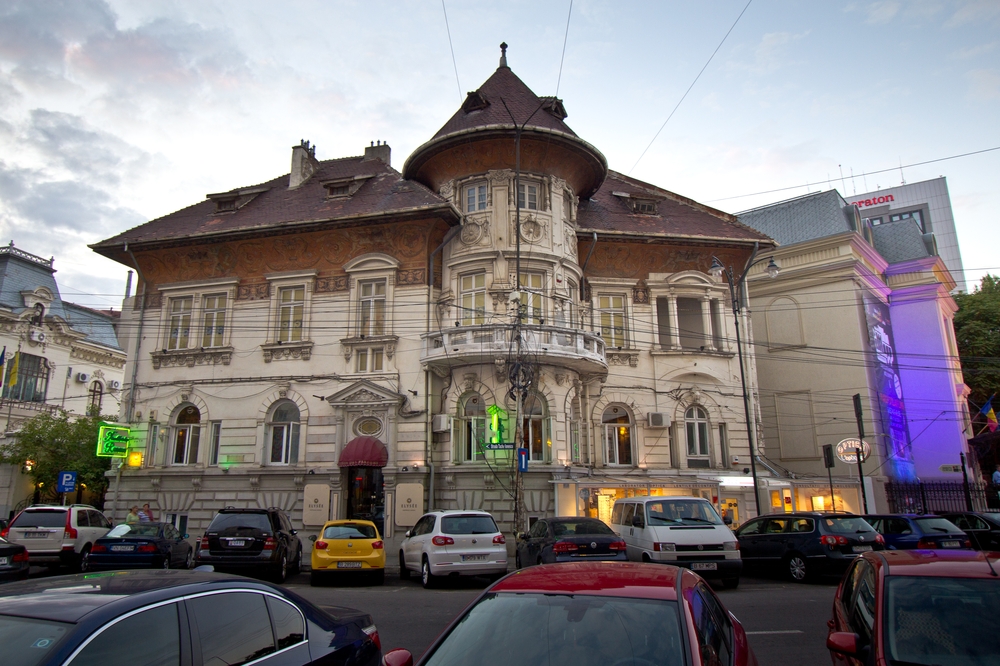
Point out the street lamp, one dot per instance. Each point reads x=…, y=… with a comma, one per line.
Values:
x=737, y=289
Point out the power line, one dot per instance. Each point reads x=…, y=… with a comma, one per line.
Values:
x=565, y=39
x=450, y=46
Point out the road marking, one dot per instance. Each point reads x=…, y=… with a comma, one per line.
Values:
x=778, y=631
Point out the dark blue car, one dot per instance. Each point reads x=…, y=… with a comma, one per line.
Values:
x=140, y=546
x=909, y=531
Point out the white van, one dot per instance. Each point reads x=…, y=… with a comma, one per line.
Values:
x=683, y=531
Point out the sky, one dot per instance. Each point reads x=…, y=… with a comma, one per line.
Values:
x=113, y=113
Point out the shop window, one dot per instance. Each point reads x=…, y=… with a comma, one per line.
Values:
x=612, y=313
x=696, y=427
x=187, y=435
x=617, y=435
x=214, y=316
x=475, y=197
x=534, y=430
x=472, y=299
x=180, y=322
x=473, y=428
x=283, y=434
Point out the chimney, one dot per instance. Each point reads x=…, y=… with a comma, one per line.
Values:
x=303, y=164
x=377, y=151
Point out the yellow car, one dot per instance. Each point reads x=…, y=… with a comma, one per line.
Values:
x=348, y=545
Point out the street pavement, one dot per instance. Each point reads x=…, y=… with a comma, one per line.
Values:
x=786, y=621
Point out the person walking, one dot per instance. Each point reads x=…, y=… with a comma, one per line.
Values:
x=133, y=516
x=996, y=476
x=145, y=514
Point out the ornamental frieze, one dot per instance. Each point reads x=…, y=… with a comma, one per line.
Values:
x=191, y=358
x=630, y=260
x=413, y=276
x=287, y=351
x=259, y=291
x=331, y=284
x=98, y=358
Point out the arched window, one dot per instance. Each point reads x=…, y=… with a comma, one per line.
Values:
x=696, y=426
x=95, y=400
x=187, y=434
x=474, y=436
x=533, y=427
x=283, y=428
x=617, y=435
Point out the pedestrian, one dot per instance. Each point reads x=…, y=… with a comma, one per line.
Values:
x=146, y=514
x=133, y=516
x=996, y=476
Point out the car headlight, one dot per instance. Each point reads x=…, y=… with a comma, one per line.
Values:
x=731, y=545
x=659, y=546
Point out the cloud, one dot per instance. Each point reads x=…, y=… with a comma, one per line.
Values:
x=36, y=34
x=973, y=51
x=882, y=12
x=977, y=11
x=984, y=83
x=771, y=53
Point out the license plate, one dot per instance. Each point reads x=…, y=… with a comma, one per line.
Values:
x=348, y=565
x=122, y=549
x=951, y=544
x=4, y=561
x=237, y=543
x=35, y=535
x=861, y=549
x=473, y=558
x=704, y=566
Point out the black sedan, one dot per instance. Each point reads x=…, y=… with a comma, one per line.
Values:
x=13, y=561
x=553, y=540
x=983, y=529
x=151, y=618
x=140, y=546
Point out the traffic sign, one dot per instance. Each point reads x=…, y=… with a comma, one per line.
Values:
x=522, y=460
x=66, y=482
x=957, y=469
x=496, y=446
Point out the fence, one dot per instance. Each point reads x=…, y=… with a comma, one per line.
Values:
x=941, y=496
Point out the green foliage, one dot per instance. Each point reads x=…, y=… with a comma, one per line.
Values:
x=58, y=443
x=977, y=331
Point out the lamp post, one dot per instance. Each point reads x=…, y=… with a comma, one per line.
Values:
x=737, y=289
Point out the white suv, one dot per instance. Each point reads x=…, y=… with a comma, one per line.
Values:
x=57, y=535
x=446, y=543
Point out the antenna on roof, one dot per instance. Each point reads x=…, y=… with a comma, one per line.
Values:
x=503, y=54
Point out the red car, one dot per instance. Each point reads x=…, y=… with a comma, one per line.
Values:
x=592, y=613
x=918, y=607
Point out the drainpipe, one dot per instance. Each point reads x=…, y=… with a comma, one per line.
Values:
x=428, y=404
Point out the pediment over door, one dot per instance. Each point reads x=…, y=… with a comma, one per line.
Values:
x=365, y=393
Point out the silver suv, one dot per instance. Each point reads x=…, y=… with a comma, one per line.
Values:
x=57, y=535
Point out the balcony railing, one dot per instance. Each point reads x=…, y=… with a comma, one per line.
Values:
x=556, y=345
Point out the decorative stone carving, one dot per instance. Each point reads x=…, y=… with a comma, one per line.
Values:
x=254, y=292
x=560, y=378
x=364, y=395
x=155, y=482
x=640, y=293
x=254, y=481
x=441, y=371
x=532, y=230
x=196, y=482
x=326, y=285
x=499, y=176
x=569, y=241
x=630, y=359
x=500, y=369
x=387, y=342
x=447, y=190
x=285, y=351
x=409, y=277
x=470, y=379
x=299, y=481
x=191, y=357
x=474, y=230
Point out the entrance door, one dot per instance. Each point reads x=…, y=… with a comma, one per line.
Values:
x=365, y=497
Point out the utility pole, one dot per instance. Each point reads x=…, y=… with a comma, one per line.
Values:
x=859, y=415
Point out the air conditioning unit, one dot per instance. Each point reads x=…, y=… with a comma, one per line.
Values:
x=658, y=420
x=440, y=423
x=83, y=377
x=114, y=384
x=36, y=336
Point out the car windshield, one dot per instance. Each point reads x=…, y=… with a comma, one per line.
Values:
x=352, y=531
x=578, y=527
x=937, y=525
x=929, y=620
x=27, y=641
x=846, y=525
x=135, y=529
x=228, y=521
x=566, y=629
x=471, y=524
x=41, y=518
x=684, y=511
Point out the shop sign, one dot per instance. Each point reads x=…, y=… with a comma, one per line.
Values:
x=409, y=504
x=874, y=201
x=847, y=450
x=112, y=441
x=315, y=503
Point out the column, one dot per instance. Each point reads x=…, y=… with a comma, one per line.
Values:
x=706, y=322
x=675, y=341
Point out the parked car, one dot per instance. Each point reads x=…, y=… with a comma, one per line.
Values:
x=567, y=540
x=805, y=545
x=13, y=561
x=57, y=535
x=452, y=543
x=348, y=546
x=147, y=618
x=983, y=529
x=917, y=607
x=683, y=531
x=140, y=546
x=253, y=541
x=618, y=613
x=909, y=531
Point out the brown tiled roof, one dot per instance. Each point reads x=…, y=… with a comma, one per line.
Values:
x=609, y=211
x=504, y=85
x=384, y=193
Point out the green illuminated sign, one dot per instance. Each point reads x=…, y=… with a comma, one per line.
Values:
x=112, y=441
x=496, y=423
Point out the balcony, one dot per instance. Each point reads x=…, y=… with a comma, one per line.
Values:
x=549, y=345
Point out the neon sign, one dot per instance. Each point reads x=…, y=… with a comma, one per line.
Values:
x=112, y=441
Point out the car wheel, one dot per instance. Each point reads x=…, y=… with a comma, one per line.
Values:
x=404, y=573
x=282, y=571
x=797, y=567
x=297, y=566
x=731, y=583
x=428, y=579
x=646, y=558
x=85, y=563
x=166, y=561
x=83, y=556
x=316, y=578
x=189, y=561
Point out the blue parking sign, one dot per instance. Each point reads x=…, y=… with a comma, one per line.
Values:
x=66, y=482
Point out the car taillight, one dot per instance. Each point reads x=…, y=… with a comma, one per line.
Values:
x=833, y=541
x=270, y=543
x=320, y=545
x=617, y=545
x=204, y=543
x=4, y=532
x=372, y=632
x=69, y=532
x=968, y=543
x=564, y=547
x=664, y=547
x=99, y=548
x=20, y=557
x=146, y=548
x=879, y=539
x=499, y=540
x=378, y=545
x=926, y=543
x=442, y=541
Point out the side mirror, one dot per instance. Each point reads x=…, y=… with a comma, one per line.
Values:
x=843, y=642
x=397, y=657
x=312, y=537
x=407, y=534
x=637, y=521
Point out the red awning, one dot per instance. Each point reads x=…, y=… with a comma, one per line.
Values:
x=364, y=452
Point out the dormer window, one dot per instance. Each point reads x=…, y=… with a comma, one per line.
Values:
x=338, y=190
x=475, y=101
x=229, y=202
x=225, y=205
x=344, y=187
x=644, y=206
x=475, y=197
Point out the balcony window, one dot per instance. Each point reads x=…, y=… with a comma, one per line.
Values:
x=696, y=427
x=214, y=314
x=475, y=197
x=27, y=378
x=284, y=434
x=371, y=318
x=95, y=399
x=532, y=285
x=617, y=435
x=180, y=322
x=612, y=313
x=472, y=299
x=527, y=196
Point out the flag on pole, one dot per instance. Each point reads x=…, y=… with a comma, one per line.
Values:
x=12, y=371
x=991, y=417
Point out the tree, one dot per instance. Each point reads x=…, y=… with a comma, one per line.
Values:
x=977, y=331
x=54, y=443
